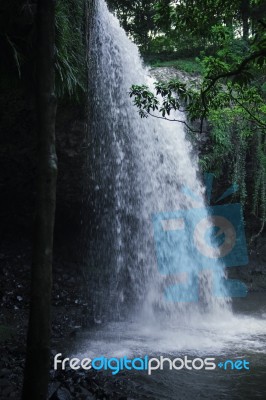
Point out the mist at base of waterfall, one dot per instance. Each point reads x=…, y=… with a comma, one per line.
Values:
x=238, y=333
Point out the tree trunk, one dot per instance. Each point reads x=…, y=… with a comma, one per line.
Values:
x=36, y=376
x=244, y=8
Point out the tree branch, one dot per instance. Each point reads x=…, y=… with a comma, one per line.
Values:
x=255, y=119
x=174, y=120
x=228, y=74
x=235, y=71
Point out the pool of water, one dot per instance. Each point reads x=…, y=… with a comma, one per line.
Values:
x=236, y=334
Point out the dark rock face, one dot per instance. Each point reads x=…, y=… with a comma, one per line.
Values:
x=72, y=156
x=18, y=170
x=253, y=274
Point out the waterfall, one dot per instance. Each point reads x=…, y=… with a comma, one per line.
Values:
x=137, y=170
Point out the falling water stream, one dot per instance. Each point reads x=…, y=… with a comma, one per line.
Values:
x=137, y=169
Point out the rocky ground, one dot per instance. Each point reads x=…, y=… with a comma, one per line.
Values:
x=165, y=74
x=70, y=314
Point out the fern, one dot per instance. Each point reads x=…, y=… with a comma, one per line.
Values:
x=70, y=48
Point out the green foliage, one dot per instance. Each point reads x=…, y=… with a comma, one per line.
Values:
x=136, y=17
x=173, y=95
x=198, y=18
x=229, y=138
x=259, y=194
x=70, y=48
x=238, y=151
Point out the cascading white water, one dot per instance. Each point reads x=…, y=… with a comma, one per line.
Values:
x=137, y=169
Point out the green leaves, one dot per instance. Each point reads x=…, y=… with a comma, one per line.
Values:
x=171, y=95
x=136, y=17
x=145, y=100
x=214, y=66
x=70, y=49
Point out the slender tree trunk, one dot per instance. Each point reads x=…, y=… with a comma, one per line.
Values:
x=245, y=18
x=37, y=367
